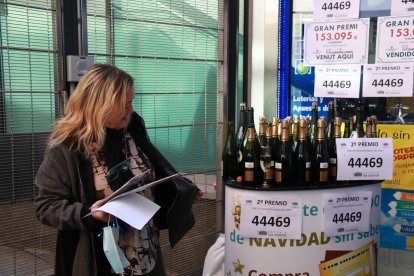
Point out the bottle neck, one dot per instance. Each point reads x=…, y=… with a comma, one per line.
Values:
x=359, y=121
x=351, y=124
x=337, y=131
x=314, y=114
x=369, y=128
x=302, y=133
x=295, y=129
x=285, y=134
x=250, y=117
x=230, y=130
x=269, y=130
x=279, y=130
x=321, y=134
x=242, y=122
x=262, y=129
x=331, y=112
x=330, y=115
x=250, y=134
x=274, y=130
x=321, y=130
x=374, y=130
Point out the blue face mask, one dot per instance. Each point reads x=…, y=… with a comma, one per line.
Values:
x=114, y=254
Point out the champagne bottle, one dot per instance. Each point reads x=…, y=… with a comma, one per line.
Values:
x=262, y=131
x=320, y=158
x=295, y=132
x=271, y=140
x=347, y=130
x=368, y=127
x=267, y=159
x=275, y=130
x=241, y=129
x=308, y=131
x=332, y=149
x=374, y=126
x=307, y=122
x=250, y=123
x=279, y=131
x=359, y=126
x=330, y=122
x=351, y=125
x=314, y=120
x=290, y=138
x=323, y=118
x=229, y=156
x=283, y=158
x=276, y=125
x=250, y=159
x=302, y=157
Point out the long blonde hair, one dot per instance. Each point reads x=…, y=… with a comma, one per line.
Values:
x=100, y=92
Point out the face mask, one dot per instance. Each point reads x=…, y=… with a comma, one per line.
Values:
x=113, y=253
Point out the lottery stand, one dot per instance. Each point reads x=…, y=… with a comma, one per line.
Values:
x=330, y=229
x=314, y=253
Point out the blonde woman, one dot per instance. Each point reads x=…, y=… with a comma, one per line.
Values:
x=99, y=131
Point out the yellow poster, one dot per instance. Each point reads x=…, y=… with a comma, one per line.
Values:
x=403, y=136
x=360, y=262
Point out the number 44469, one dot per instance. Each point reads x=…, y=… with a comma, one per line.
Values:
x=365, y=162
x=343, y=5
x=273, y=221
x=347, y=217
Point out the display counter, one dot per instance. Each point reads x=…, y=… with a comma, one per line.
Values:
x=314, y=253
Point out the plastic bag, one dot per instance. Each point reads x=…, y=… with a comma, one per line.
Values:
x=214, y=261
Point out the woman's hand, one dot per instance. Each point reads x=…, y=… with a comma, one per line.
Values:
x=100, y=215
x=198, y=195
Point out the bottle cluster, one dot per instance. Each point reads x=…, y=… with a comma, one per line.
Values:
x=289, y=152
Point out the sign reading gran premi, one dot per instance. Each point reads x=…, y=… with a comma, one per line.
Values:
x=337, y=42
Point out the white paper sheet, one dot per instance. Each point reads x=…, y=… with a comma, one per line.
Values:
x=134, y=209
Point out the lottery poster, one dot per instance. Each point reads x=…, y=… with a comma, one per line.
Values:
x=357, y=262
x=397, y=205
x=397, y=219
x=403, y=138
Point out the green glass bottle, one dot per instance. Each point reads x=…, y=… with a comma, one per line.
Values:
x=267, y=162
x=250, y=123
x=250, y=159
x=241, y=129
x=229, y=157
x=359, y=124
x=368, y=127
x=320, y=159
x=275, y=130
x=283, y=158
x=347, y=129
x=314, y=126
x=330, y=122
x=332, y=149
x=262, y=131
x=308, y=131
x=374, y=127
x=295, y=132
x=302, y=161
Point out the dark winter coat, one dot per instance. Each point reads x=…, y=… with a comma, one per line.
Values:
x=67, y=190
